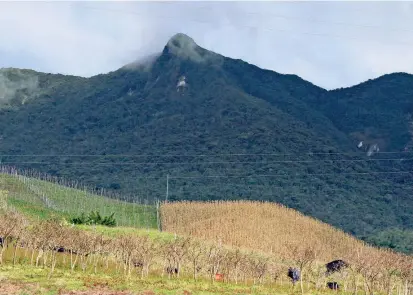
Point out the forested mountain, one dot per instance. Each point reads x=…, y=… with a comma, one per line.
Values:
x=221, y=129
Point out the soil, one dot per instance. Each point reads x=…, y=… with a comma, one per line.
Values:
x=9, y=289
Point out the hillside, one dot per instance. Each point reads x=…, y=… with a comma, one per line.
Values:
x=233, y=132
x=42, y=199
x=267, y=227
x=376, y=112
x=223, y=248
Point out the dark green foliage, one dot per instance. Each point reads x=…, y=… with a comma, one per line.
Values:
x=271, y=137
x=94, y=218
x=396, y=239
x=82, y=219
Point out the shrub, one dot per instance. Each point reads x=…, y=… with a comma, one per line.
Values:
x=94, y=218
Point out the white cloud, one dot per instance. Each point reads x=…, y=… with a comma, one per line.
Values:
x=332, y=44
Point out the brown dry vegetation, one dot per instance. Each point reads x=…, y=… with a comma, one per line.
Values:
x=289, y=238
x=267, y=227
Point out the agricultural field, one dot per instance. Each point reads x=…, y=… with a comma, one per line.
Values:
x=263, y=226
x=42, y=199
x=203, y=248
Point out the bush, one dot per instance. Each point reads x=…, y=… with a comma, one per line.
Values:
x=94, y=218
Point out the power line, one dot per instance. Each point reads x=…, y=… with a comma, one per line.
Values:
x=275, y=175
x=208, y=163
x=296, y=174
x=201, y=155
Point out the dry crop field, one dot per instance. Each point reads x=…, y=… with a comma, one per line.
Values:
x=267, y=227
x=292, y=239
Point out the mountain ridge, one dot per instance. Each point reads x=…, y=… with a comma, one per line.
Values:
x=288, y=140
x=191, y=40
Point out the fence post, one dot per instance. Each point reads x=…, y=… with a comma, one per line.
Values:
x=158, y=215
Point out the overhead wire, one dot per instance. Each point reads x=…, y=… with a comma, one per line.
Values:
x=204, y=155
x=295, y=174
x=206, y=163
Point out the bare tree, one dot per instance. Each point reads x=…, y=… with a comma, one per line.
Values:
x=174, y=253
x=259, y=267
x=57, y=235
x=391, y=267
x=144, y=253
x=235, y=259
x=195, y=251
x=371, y=270
x=406, y=272
x=304, y=256
x=11, y=227
x=126, y=246
x=275, y=270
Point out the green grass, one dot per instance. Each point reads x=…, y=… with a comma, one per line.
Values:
x=116, y=231
x=42, y=199
x=78, y=281
x=35, y=210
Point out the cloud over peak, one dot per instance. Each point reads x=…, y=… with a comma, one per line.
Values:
x=332, y=44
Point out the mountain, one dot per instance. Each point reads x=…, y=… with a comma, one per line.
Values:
x=377, y=111
x=221, y=129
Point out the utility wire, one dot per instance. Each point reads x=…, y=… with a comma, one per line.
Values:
x=278, y=175
x=296, y=174
x=207, y=163
x=200, y=155
x=274, y=175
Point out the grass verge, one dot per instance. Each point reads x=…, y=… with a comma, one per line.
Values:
x=29, y=280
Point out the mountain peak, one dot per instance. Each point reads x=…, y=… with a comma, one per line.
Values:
x=183, y=46
x=181, y=41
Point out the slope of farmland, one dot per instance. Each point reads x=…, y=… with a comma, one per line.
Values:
x=43, y=199
x=266, y=227
x=249, y=244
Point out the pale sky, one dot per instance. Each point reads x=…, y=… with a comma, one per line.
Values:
x=331, y=44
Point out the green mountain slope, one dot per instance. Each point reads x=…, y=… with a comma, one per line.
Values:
x=376, y=112
x=262, y=135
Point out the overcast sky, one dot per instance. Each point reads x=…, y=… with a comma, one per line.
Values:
x=331, y=44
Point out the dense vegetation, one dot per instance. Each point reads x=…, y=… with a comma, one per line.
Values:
x=262, y=136
x=94, y=218
x=137, y=256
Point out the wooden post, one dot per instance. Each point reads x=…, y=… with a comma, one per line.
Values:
x=167, y=188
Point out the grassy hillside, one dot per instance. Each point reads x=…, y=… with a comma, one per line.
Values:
x=42, y=199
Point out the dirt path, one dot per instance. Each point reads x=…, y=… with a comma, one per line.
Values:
x=10, y=288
